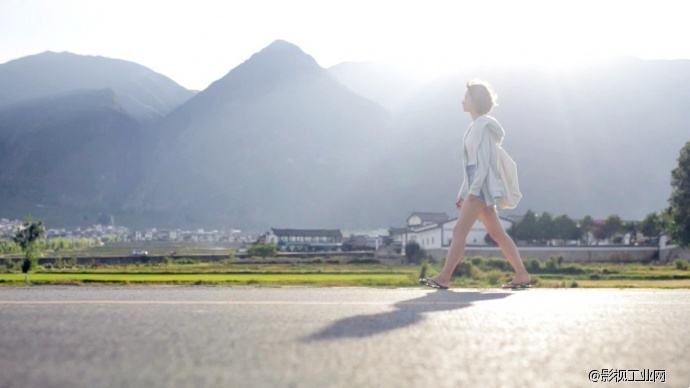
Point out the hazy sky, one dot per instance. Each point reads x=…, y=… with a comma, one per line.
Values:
x=196, y=42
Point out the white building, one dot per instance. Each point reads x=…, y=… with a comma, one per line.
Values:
x=435, y=231
x=305, y=239
x=429, y=230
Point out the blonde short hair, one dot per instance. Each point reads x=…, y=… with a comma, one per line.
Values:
x=482, y=96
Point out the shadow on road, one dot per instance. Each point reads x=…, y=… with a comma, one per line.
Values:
x=407, y=313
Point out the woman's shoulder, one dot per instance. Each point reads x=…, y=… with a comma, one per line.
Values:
x=483, y=121
x=486, y=119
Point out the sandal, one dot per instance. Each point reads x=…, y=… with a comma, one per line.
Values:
x=429, y=282
x=516, y=286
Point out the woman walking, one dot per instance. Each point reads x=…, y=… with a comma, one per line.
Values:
x=480, y=188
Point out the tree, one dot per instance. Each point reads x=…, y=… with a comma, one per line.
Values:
x=262, y=250
x=679, y=209
x=600, y=232
x=587, y=227
x=613, y=225
x=27, y=237
x=632, y=228
x=651, y=225
x=545, y=227
x=566, y=229
x=526, y=229
x=414, y=253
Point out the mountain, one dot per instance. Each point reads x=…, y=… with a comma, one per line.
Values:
x=68, y=155
x=146, y=95
x=281, y=142
x=277, y=141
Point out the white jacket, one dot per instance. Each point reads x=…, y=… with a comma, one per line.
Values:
x=487, y=135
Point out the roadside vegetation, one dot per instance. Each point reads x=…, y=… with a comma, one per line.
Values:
x=473, y=272
x=27, y=238
x=557, y=273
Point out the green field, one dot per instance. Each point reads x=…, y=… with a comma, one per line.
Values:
x=316, y=279
x=370, y=275
x=472, y=272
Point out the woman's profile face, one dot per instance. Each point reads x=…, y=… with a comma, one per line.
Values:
x=467, y=104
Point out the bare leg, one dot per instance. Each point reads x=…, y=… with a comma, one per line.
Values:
x=489, y=218
x=469, y=212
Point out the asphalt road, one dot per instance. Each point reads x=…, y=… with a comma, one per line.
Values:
x=341, y=337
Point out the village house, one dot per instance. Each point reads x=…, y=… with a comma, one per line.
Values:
x=305, y=239
x=435, y=231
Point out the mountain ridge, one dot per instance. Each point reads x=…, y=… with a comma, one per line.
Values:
x=280, y=140
x=147, y=95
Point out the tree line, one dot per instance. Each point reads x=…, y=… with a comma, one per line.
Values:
x=55, y=244
x=544, y=228
x=674, y=220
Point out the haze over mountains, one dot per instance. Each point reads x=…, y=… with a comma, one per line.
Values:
x=281, y=142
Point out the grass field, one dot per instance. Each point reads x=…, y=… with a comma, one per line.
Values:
x=268, y=279
x=354, y=275
x=472, y=272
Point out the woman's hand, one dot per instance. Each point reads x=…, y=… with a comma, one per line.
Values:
x=470, y=198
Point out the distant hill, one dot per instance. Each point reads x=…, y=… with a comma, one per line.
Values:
x=146, y=95
x=79, y=152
